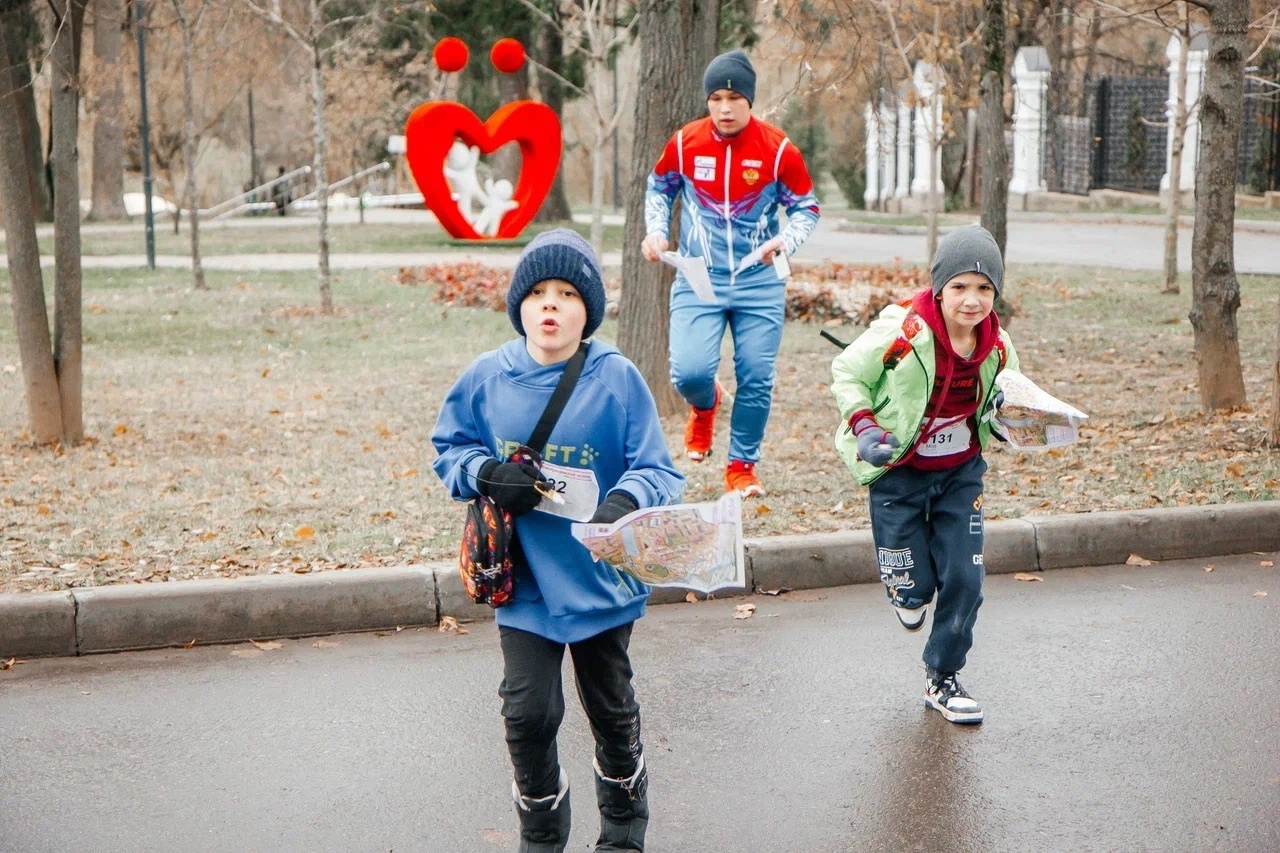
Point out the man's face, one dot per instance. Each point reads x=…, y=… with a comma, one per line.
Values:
x=729, y=111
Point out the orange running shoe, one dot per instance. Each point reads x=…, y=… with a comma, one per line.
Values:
x=741, y=477
x=701, y=429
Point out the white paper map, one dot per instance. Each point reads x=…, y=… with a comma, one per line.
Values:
x=694, y=546
x=1033, y=419
x=694, y=270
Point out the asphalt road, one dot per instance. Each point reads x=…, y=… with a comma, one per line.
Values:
x=1128, y=708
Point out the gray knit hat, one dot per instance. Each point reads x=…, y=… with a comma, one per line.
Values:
x=731, y=71
x=561, y=254
x=970, y=249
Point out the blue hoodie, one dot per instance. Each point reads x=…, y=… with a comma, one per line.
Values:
x=608, y=437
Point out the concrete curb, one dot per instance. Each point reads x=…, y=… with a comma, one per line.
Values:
x=146, y=616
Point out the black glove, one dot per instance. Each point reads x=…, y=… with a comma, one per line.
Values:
x=616, y=505
x=511, y=485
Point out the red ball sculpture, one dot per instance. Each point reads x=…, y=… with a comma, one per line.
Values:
x=450, y=54
x=507, y=55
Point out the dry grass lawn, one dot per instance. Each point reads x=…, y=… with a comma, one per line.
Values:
x=236, y=431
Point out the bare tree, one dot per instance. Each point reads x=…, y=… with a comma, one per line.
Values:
x=319, y=36
x=68, y=18
x=677, y=40
x=591, y=29
x=51, y=368
x=1180, y=30
x=1215, y=290
x=22, y=39
x=107, y=105
x=188, y=23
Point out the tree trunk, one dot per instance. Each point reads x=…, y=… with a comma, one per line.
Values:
x=22, y=35
x=603, y=108
x=318, y=165
x=30, y=314
x=555, y=207
x=108, y=137
x=1177, y=141
x=65, y=56
x=1215, y=292
x=677, y=40
x=995, y=154
x=190, y=143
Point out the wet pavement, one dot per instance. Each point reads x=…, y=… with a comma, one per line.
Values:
x=1128, y=708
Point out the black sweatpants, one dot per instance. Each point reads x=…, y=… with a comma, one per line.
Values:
x=928, y=532
x=532, y=694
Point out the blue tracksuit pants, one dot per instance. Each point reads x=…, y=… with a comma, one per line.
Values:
x=927, y=527
x=753, y=313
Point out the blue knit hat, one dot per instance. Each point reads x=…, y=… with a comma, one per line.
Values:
x=561, y=254
x=731, y=71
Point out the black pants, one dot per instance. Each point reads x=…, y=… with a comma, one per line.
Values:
x=532, y=694
x=928, y=529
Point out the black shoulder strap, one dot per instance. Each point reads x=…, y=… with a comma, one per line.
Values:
x=559, y=397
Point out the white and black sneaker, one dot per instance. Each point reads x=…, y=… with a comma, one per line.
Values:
x=943, y=691
x=911, y=618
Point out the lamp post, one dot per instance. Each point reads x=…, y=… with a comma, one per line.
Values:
x=149, y=217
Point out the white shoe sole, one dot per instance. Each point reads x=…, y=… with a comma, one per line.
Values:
x=696, y=456
x=961, y=717
x=906, y=617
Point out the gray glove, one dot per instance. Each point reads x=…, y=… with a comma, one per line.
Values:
x=875, y=446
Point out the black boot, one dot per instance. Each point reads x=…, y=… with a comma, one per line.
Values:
x=544, y=821
x=624, y=811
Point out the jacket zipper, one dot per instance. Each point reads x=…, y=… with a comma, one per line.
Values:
x=728, y=224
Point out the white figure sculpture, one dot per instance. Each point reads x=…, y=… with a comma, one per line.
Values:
x=460, y=171
x=497, y=202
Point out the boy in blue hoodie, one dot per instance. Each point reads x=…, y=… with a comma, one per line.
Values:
x=607, y=456
x=917, y=396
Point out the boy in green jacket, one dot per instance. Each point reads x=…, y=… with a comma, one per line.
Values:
x=917, y=396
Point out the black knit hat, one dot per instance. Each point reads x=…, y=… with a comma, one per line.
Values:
x=731, y=71
x=970, y=249
x=561, y=254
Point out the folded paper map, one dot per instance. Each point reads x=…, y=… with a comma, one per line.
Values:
x=694, y=546
x=1033, y=419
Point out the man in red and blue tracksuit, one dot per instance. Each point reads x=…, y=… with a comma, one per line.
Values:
x=732, y=172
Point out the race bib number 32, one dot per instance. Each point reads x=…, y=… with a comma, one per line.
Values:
x=577, y=487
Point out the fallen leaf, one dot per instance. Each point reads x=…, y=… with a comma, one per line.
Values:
x=779, y=591
x=763, y=509
x=190, y=644
x=1135, y=560
x=6, y=665
x=325, y=644
x=1027, y=576
x=691, y=597
x=1267, y=563
x=744, y=611
x=268, y=645
x=306, y=531
x=1209, y=567
x=1259, y=594
x=449, y=625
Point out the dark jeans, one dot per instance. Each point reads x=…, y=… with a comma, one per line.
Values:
x=532, y=694
x=928, y=532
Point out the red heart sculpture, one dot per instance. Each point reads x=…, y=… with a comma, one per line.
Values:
x=431, y=131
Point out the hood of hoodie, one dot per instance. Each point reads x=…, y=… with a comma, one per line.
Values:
x=520, y=367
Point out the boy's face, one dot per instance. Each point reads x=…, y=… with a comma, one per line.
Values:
x=966, y=301
x=729, y=111
x=554, y=316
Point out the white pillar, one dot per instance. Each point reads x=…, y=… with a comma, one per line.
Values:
x=1030, y=79
x=1197, y=55
x=888, y=148
x=928, y=83
x=903, y=188
x=871, y=195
